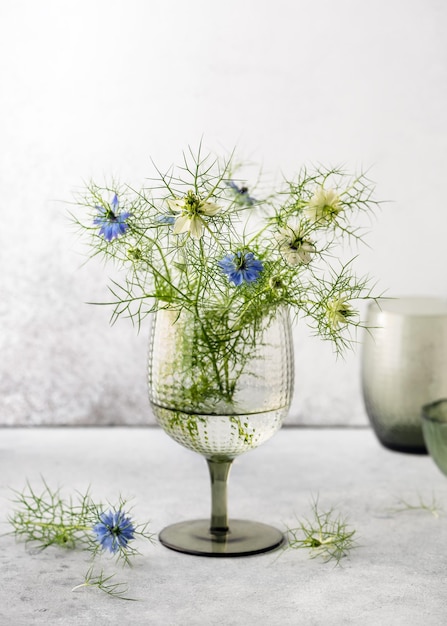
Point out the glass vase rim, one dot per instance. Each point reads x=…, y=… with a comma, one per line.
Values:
x=428, y=411
x=411, y=306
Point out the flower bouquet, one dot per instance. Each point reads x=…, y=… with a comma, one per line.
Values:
x=226, y=267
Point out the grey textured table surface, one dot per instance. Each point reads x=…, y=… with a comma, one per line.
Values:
x=397, y=575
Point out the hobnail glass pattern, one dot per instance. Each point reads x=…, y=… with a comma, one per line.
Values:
x=213, y=426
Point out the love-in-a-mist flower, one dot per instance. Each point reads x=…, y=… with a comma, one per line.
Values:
x=295, y=248
x=241, y=267
x=241, y=193
x=165, y=218
x=192, y=209
x=112, y=224
x=114, y=530
x=339, y=312
x=324, y=206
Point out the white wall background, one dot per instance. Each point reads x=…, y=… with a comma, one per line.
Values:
x=90, y=88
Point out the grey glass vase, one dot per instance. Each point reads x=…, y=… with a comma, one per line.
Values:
x=220, y=391
x=404, y=366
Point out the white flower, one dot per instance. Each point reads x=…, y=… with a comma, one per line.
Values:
x=324, y=205
x=191, y=209
x=338, y=312
x=293, y=245
x=192, y=224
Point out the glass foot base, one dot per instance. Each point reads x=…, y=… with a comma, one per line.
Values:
x=242, y=539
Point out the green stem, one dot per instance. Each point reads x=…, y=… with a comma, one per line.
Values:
x=212, y=235
x=165, y=278
x=211, y=352
x=219, y=471
x=53, y=525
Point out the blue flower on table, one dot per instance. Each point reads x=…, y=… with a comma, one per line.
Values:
x=112, y=224
x=241, y=267
x=114, y=530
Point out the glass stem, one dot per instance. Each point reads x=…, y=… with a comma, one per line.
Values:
x=219, y=471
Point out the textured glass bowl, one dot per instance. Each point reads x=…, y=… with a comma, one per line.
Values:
x=404, y=366
x=434, y=428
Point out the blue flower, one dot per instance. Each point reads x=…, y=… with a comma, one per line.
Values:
x=242, y=194
x=241, y=267
x=112, y=224
x=114, y=531
x=164, y=218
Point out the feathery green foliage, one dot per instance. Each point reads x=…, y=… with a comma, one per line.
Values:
x=326, y=535
x=45, y=518
x=186, y=235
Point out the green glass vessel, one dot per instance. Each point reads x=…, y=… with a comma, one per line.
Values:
x=220, y=390
x=434, y=428
x=404, y=366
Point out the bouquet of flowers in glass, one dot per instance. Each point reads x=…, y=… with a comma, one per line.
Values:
x=225, y=267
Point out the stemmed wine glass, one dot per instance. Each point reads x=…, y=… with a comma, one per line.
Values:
x=220, y=399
